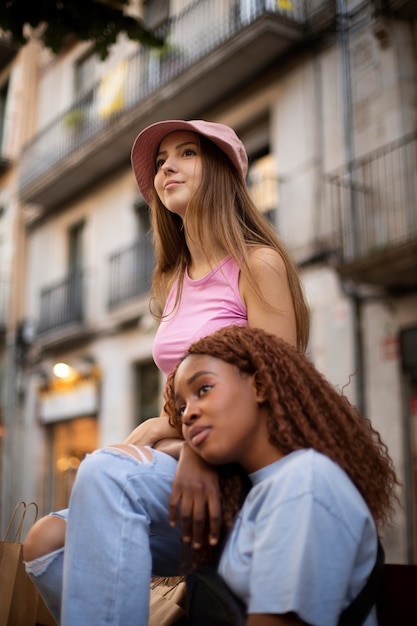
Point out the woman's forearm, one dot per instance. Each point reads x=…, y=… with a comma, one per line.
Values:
x=171, y=446
x=151, y=431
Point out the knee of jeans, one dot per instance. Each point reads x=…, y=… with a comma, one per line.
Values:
x=106, y=467
x=139, y=453
x=44, y=537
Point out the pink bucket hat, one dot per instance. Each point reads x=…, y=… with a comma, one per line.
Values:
x=147, y=143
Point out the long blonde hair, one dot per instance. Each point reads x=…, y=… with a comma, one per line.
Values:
x=223, y=215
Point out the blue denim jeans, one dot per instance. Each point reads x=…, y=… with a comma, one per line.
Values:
x=118, y=534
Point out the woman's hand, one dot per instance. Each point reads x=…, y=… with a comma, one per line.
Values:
x=151, y=431
x=196, y=485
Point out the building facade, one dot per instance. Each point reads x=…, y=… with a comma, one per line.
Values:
x=323, y=93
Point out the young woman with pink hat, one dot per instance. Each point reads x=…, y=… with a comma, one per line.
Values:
x=218, y=263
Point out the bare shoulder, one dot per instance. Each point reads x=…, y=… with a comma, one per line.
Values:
x=267, y=294
x=267, y=268
x=263, y=259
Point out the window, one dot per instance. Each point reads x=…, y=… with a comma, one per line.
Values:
x=147, y=392
x=263, y=185
x=143, y=223
x=84, y=81
x=75, y=247
x=155, y=12
x=70, y=440
x=74, y=292
x=85, y=73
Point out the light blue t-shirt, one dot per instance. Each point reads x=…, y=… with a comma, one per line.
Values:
x=304, y=541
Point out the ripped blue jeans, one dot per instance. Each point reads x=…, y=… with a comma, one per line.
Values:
x=118, y=535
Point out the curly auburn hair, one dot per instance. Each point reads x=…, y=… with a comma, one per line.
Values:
x=304, y=411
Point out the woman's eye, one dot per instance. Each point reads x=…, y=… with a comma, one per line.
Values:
x=189, y=152
x=204, y=389
x=180, y=410
x=159, y=164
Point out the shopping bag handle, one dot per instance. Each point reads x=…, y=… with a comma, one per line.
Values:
x=16, y=537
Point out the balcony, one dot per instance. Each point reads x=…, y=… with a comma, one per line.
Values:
x=374, y=200
x=61, y=316
x=130, y=273
x=212, y=49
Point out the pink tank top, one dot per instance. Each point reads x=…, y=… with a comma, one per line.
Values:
x=206, y=305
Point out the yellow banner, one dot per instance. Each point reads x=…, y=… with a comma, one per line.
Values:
x=286, y=5
x=111, y=90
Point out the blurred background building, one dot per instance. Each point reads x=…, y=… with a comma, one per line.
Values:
x=324, y=95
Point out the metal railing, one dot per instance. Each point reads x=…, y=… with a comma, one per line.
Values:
x=130, y=272
x=61, y=304
x=374, y=200
x=190, y=36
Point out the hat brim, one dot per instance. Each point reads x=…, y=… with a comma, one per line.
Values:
x=146, y=145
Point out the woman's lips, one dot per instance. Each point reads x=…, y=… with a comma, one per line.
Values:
x=171, y=184
x=199, y=434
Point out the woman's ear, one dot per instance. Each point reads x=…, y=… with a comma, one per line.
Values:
x=259, y=391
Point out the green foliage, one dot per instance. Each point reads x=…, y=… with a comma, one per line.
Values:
x=98, y=21
x=74, y=118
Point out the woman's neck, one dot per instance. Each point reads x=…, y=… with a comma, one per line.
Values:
x=202, y=261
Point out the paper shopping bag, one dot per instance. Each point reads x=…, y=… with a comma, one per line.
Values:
x=167, y=598
x=18, y=595
x=19, y=598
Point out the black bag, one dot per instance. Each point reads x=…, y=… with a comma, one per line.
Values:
x=210, y=602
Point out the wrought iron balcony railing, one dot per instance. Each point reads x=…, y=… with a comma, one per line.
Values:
x=374, y=201
x=130, y=272
x=62, y=304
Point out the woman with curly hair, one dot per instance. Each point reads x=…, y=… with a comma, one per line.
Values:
x=305, y=540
